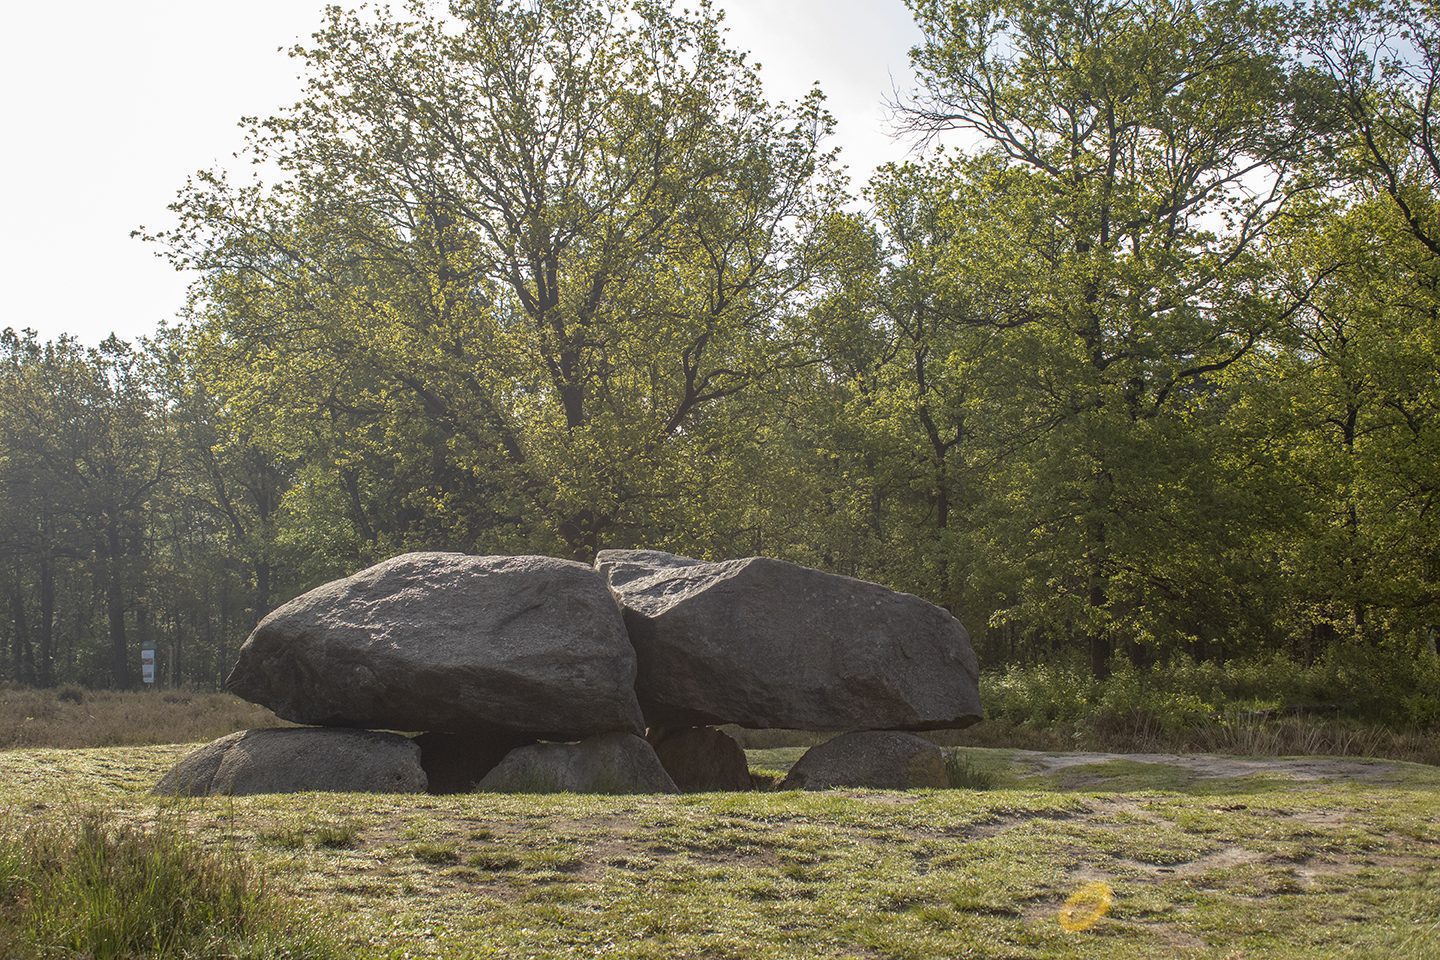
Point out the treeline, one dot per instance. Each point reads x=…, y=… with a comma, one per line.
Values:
x=1148, y=364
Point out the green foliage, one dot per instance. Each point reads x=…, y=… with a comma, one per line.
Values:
x=529, y=249
x=1078, y=234
x=1041, y=695
x=1146, y=370
x=100, y=888
x=1386, y=685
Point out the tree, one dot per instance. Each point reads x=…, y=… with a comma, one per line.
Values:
x=1355, y=392
x=1380, y=63
x=84, y=430
x=558, y=234
x=1131, y=159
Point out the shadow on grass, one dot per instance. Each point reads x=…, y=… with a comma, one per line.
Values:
x=980, y=768
x=1131, y=776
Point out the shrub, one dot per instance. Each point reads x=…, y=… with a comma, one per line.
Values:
x=1387, y=685
x=1041, y=695
x=1381, y=700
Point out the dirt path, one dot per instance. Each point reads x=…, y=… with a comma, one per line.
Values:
x=1216, y=765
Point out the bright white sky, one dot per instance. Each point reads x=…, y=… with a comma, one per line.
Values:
x=109, y=105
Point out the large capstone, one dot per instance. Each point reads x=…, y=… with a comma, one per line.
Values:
x=878, y=760
x=767, y=644
x=298, y=761
x=532, y=647
x=613, y=763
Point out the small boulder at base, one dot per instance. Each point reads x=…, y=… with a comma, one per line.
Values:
x=456, y=762
x=298, y=761
x=612, y=763
x=877, y=759
x=702, y=759
x=532, y=647
x=767, y=644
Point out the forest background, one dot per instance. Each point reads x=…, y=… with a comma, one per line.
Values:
x=1140, y=376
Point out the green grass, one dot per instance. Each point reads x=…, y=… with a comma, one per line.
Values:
x=1224, y=867
x=88, y=884
x=977, y=769
x=294, y=836
x=437, y=853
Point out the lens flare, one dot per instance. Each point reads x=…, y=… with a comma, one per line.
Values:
x=1086, y=906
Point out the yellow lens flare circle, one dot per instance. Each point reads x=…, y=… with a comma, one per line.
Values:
x=1086, y=906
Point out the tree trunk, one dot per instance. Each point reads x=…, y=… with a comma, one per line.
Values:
x=222, y=646
x=1101, y=643
x=582, y=531
x=351, y=481
x=572, y=398
x=176, y=648
x=45, y=672
x=262, y=589
x=22, y=651
x=1354, y=568
x=115, y=609
x=1101, y=647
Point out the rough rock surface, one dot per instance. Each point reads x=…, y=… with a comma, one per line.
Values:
x=767, y=644
x=702, y=759
x=879, y=759
x=529, y=646
x=296, y=761
x=456, y=762
x=624, y=566
x=613, y=763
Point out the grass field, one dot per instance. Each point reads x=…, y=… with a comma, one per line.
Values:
x=73, y=717
x=1229, y=860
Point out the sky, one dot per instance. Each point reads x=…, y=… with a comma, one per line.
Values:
x=107, y=106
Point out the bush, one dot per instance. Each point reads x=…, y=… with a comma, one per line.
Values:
x=91, y=887
x=1372, y=700
x=1040, y=695
x=1384, y=685
x=1387, y=683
